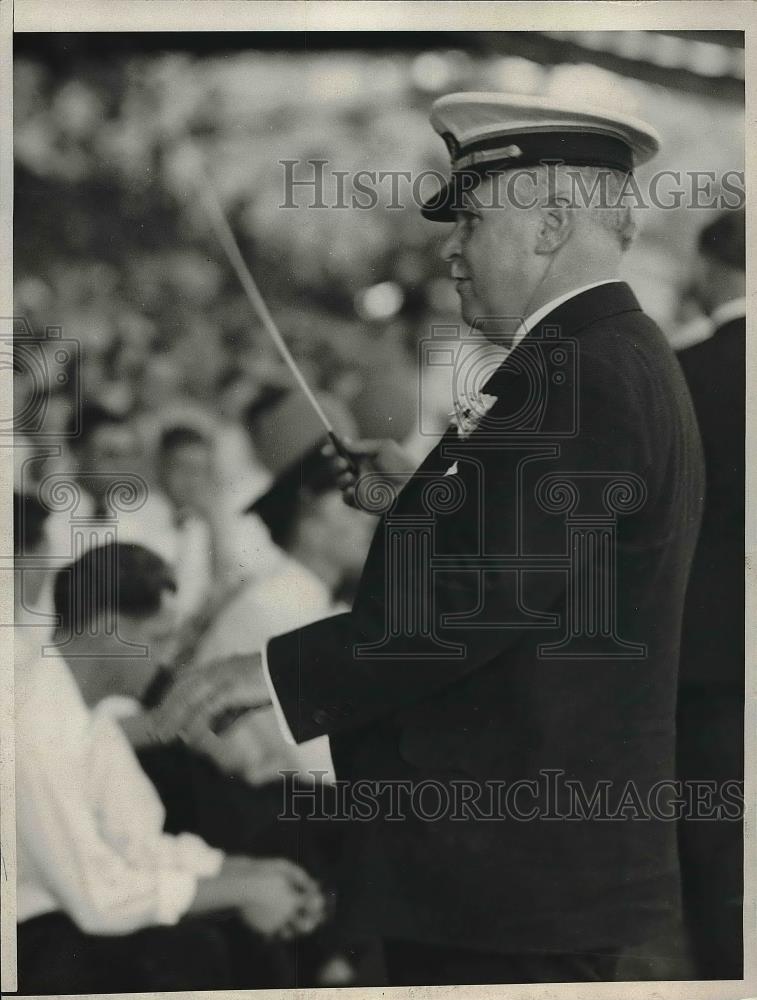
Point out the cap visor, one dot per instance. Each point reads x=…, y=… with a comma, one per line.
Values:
x=438, y=208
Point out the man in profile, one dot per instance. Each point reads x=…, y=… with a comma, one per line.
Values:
x=711, y=685
x=496, y=679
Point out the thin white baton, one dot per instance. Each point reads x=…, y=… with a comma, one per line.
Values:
x=227, y=240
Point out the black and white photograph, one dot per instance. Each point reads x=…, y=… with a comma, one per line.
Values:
x=377, y=582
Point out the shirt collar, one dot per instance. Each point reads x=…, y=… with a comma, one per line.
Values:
x=538, y=314
x=735, y=309
x=571, y=312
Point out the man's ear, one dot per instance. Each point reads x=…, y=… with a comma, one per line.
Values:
x=555, y=226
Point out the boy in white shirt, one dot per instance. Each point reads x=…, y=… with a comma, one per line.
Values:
x=107, y=902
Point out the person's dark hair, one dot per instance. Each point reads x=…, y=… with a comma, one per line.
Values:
x=177, y=437
x=92, y=417
x=29, y=517
x=281, y=507
x=112, y=579
x=724, y=239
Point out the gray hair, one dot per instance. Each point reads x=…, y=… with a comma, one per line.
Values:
x=602, y=192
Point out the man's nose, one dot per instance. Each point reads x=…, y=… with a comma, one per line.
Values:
x=451, y=247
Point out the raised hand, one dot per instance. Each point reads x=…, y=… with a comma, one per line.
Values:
x=369, y=456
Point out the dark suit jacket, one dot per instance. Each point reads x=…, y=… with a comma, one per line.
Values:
x=507, y=709
x=710, y=722
x=712, y=655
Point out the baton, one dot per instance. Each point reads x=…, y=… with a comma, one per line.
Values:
x=226, y=238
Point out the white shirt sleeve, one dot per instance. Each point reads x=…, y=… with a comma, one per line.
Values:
x=278, y=711
x=90, y=823
x=117, y=706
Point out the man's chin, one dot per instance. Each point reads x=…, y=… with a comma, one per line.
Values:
x=496, y=329
x=470, y=310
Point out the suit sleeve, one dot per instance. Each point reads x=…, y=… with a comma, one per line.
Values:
x=349, y=670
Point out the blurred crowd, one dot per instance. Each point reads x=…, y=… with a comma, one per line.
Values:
x=192, y=535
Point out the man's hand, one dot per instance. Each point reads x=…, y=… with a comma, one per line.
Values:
x=282, y=899
x=274, y=896
x=201, y=694
x=252, y=747
x=370, y=456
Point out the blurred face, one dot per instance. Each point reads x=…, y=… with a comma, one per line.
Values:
x=185, y=474
x=491, y=253
x=111, y=451
x=129, y=672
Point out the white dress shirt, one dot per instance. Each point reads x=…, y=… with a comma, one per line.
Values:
x=89, y=822
x=727, y=311
x=528, y=324
x=703, y=327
